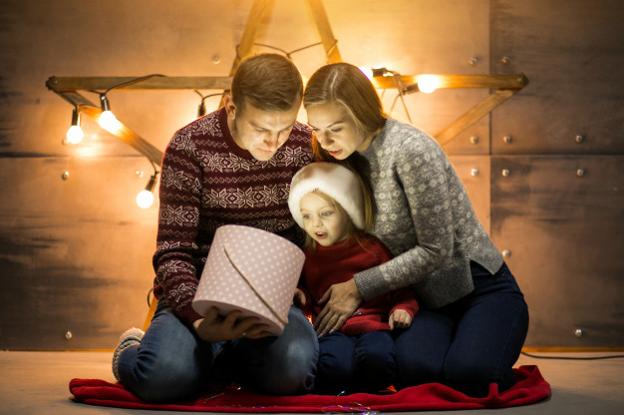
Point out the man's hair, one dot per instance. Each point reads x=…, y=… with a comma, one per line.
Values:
x=268, y=81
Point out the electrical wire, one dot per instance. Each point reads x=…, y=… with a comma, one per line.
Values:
x=535, y=356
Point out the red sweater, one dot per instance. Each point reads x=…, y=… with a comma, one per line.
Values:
x=208, y=181
x=325, y=266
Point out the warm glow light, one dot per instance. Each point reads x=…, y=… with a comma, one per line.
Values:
x=428, y=83
x=145, y=199
x=109, y=122
x=74, y=135
x=366, y=71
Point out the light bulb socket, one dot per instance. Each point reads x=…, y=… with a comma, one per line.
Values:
x=75, y=117
x=104, y=103
x=380, y=71
x=151, y=183
x=201, y=109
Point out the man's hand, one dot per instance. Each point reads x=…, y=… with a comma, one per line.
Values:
x=342, y=300
x=400, y=319
x=214, y=328
x=299, y=298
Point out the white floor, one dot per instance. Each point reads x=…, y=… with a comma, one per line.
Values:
x=37, y=383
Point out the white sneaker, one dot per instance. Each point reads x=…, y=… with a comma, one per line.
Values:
x=128, y=338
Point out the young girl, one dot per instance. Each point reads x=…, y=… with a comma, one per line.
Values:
x=331, y=203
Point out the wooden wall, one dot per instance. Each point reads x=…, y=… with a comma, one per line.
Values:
x=75, y=254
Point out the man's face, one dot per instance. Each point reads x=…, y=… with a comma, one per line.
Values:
x=258, y=131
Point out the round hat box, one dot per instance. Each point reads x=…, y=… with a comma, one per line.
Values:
x=253, y=271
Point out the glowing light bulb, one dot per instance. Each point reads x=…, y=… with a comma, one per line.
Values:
x=109, y=122
x=145, y=199
x=428, y=83
x=74, y=135
x=366, y=71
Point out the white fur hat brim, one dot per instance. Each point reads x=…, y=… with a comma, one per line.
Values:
x=332, y=179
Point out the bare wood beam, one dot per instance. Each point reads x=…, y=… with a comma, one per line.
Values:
x=324, y=28
x=514, y=81
x=259, y=10
x=61, y=84
x=473, y=115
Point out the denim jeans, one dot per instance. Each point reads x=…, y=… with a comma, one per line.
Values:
x=364, y=362
x=469, y=343
x=172, y=363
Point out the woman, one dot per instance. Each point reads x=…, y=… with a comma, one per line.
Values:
x=474, y=318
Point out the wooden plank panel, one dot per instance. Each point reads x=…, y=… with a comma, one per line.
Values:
x=572, y=52
x=75, y=254
x=566, y=237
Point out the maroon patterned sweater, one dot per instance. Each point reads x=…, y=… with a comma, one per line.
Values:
x=208, y=181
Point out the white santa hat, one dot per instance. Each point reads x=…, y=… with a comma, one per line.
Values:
x=332, y=179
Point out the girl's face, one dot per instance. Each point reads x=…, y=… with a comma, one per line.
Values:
x=335, y=130
x=322, y=220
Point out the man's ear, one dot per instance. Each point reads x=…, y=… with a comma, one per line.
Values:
x=230, y=107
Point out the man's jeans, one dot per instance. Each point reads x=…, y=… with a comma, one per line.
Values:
x=172, y=363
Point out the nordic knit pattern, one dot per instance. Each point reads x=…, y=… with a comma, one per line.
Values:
x=424, y=217
x=208, y=181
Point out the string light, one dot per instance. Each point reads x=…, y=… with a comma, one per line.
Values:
x=107, y=119
x=74, y=133
x=428, y=83
x=145, y=198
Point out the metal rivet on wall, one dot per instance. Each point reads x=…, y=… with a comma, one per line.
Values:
x=473, y=61
x=68, y=335
x=474, y=171
x=579, y=138
x=505, y=172
x=580, y=172
x=139, y=173
x=507, y=139
x=65, y=175
x=505, y=60
x=474, y=139
x=506, y=253
x=216, y=59
x=579, y=332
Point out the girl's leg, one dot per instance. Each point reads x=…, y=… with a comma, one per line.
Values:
x=421, y=348
x=489, y=334
x=169, y=364
x=336, y=363
x=375, y=364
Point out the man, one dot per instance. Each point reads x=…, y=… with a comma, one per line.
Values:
x=232, y=166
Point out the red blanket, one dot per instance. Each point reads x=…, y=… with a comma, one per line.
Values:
x=530, y=388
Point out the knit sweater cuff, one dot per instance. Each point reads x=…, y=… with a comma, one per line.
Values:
x=187, y=314
x=370, y=283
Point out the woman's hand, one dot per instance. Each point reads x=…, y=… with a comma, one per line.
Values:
x=399, y=319
x=214, y=328
x=342, y=300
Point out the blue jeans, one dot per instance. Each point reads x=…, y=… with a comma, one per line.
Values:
x=172, y=363
x=365, y=362
x=471, y=342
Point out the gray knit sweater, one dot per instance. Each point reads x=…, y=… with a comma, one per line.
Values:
x=424, y=217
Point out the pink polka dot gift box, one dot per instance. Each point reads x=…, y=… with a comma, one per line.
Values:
x=250, y=270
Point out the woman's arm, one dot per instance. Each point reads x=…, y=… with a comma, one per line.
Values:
x=422, y=170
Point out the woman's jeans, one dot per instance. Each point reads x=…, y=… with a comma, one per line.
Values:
x=470, y=343
x=172, y=363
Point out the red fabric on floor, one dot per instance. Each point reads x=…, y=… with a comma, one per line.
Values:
x=530, y=388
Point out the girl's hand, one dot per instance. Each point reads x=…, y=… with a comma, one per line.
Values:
x=400, y=319
x=299, y=298
x=342, y=300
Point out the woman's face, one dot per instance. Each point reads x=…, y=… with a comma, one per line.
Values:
x=322, y=221
x=335, y=130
